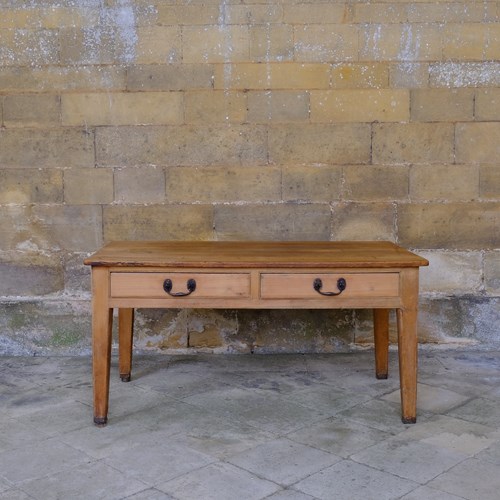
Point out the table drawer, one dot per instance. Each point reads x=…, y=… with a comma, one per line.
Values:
x=196, y=285
x=302, y=286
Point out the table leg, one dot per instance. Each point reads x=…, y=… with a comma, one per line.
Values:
x=102, y=322
x=407, y=345
x=125, y=335
x=381, y=337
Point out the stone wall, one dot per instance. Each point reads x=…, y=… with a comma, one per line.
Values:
x=246, y=120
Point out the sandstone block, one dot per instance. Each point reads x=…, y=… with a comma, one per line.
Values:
x=215, y=44
x=25, y=186
x=360, y=75
x=487, y=104
x=375, y=183
x=273, y=222
x=271, y=43
x=248, y=76
x=320, y=143
x=400, y=42
x=360, y=105
x=158, y=45
x=88, y=186
x=477, y=142
x=130, y=108
x=442, y=105
x=413, y=143
x=82, y=46
x=409, y=75
x=363, y=221
x=139, y=185
x=31, y=110
x=464, y=74
x=169, y=76
x=454, y=226
x=465, y=41
x=30, y=279
x=44, y=148
x=314, y=13
x=447, y=12
x=326, y=43
x=278, y=106
x=444, y=182
x=311, y=184
x=381, y=13
x=29, y=47
x=215, y=106
x=158, y=222
x=489, y=182
x=252, y=13
x=456, y=273
x=161, y=329
x=211, y=329
x=182, y=145
x=492, y=272
x=223, y=184
x=187, y=14
x=76, y=275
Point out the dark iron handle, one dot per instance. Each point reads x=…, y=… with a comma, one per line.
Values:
x=341, y=285
x=191, y=286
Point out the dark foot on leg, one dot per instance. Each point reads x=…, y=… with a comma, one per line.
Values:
x=125, y=377
x=409, y=420
x=382, y=376
x=100, y=421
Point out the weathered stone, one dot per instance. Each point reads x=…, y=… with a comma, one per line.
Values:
x=442, y=105
x=139, y=185
x=271, y=42
x=31, y=110
x=272, y=222
x=88, y=186
x=489, y=182
x=24, y=186
x=215, y=106
x=277, y=106
x=360, y=75
x=478, y=142
x=487, y=104
x=158, y=222
x=311, y=184
x=492, y=272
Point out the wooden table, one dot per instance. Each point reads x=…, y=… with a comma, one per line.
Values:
x=254, y=275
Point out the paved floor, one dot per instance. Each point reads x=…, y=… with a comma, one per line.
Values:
x=251, y=427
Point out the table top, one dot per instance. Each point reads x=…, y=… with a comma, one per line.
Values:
x=255, y=254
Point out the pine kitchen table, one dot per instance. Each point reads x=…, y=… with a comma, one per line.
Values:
x=254, y=275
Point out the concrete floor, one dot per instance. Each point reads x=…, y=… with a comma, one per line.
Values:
x=292, y=427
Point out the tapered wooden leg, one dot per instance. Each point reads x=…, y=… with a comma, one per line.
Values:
x=407, y=345
x=102, y=322
x=125, y=335
x=381, y=336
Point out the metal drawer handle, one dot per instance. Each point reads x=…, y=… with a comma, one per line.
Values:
x=341, y=285
x=191, y=286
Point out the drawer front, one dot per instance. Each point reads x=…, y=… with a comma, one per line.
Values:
x=301, y=286
x=207, y=285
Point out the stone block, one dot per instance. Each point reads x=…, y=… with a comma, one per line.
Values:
x=400, y=42
x=158, y=222
x=31, y=110
x=139, y=185
x=451, y=273
x=492, y=273
x=447, y=12
x=223, y=184
x=215, y=44
x=158, y=45
x=312, y=184
x=82, y=46
x=314, y=13
x=444, y=182
x=487, y=104
x=76, y=274
x=187, y=14
x=273, y=222
x=260, y=76
x=381, y=13
x=88, y=186
x=278, y=106
x=21, y=278
x=464, y=74
x=181, y=145
x=127, y=108
x=271, y=42
x=465, y=41
x=413, y=143
x=442, y=105
x=320, y=143
x=360, y=75
x=252, y=13
x=211, y=329
x=360, y=105
x=326, y=43
x=29, y=47
x=489, y=182
x=215, y=106
x=477, y=142
x=62, y=78
x=409, y=75
x=160, y=329
x=454, y=226
x=375, y=183
x=363, y=221
x=45, y=148
x=25, y=186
